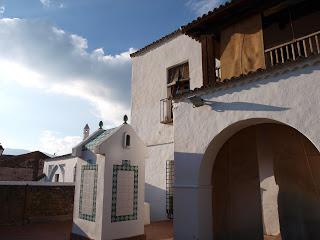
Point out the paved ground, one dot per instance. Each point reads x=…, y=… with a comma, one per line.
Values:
x=61, y=231
x=272, y=238
x=159, y=231
x=53, y=231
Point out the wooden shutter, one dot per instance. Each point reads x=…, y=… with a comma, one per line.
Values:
x=208, y=60
x=242, y=48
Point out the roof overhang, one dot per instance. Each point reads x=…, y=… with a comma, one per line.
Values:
x=228, y=14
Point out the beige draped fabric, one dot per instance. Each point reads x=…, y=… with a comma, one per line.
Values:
x=242, y=48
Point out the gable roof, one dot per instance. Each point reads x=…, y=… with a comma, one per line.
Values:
x=228, y=11
x=180, y=30
x=23, y=160
x=6, y=157
x=61, y=157
x=156, y=43
x=214, y=12
x=98, y=139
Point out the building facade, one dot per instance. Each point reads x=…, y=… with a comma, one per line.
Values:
x=233, y=99
x=158, y=137
x=109, y=188
x=24, y=167
x=60, y=168
x=64, y=168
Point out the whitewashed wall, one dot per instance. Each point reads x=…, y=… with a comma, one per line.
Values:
x=149, y=85
x=115, y=153
x=288, y=95
x=111, y=152
x=67, y=175
x=82, y=227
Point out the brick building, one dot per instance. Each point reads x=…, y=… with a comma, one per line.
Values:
x=24, y=167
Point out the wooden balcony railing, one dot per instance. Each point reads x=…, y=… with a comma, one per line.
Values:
x=166, y=115
x=290, y=51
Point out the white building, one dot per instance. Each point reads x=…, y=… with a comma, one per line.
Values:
x=109, y=192
x=63, y=168
x=243, y=130
x=153, y=63
x=60, y=168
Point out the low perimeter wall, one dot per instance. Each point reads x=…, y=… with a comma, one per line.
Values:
x=27, y=202
x=16, y=174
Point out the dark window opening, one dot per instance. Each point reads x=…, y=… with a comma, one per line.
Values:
x=74, y=173
x=127, y=140
x=178, y=79
x=291, y=32
x=56, y=177
x=293, y=22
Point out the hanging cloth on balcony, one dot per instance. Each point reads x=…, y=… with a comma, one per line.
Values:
x=242, y=48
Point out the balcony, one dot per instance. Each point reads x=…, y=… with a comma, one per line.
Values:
x=291, y=51
x=166, y=115
x=246, y=36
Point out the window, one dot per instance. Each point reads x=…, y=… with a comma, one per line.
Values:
x=127, y=140
x=178, y=79
x=75, y=173
x=56, y=177
x=178, y=82
x=169, y=188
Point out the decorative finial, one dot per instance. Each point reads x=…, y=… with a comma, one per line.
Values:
x=100, y=124
x=86, y=132
x=125, y=119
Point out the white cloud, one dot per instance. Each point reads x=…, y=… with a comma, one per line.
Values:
x=53, y=143
x=45, y=3
x=52, y=3
x=2, y=10
x=38, y=55
x=203, y=6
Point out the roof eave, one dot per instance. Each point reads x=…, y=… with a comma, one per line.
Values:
x=156, y=43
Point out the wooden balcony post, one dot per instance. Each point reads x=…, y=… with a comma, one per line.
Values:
x=208, y=60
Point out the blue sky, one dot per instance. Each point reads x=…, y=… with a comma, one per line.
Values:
x=65, y=63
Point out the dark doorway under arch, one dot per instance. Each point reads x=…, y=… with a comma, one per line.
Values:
x=257, y=164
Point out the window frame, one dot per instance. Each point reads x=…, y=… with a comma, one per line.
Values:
x=172, y=84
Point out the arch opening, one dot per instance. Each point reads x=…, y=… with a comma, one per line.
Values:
x=266, y=185
x=56, y=174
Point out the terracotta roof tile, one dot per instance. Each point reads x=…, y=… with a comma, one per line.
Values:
x=183, y=28
x=209, y=14
x=156, y=43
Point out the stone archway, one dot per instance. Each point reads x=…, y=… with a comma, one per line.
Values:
x=266, y=179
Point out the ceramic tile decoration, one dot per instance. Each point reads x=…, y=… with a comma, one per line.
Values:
x=124, y=192
x=88, y=192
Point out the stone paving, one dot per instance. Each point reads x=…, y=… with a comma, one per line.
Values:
x=48, y=231
x=61, y=231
